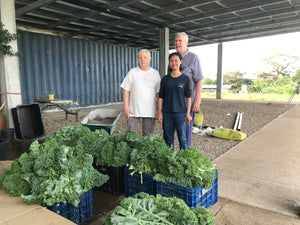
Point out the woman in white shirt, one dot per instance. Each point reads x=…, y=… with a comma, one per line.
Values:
x=141, y=87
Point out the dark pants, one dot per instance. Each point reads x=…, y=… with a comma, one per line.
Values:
x=189, y=129
x=172, y=122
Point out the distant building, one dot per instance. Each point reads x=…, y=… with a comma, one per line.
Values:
x=212, y=88
x=244, y=89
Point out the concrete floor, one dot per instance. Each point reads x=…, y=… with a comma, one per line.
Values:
x=259, y=179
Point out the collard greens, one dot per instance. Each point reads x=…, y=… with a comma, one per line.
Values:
x=148, y=209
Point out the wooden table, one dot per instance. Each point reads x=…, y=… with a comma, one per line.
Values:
x=63, y=104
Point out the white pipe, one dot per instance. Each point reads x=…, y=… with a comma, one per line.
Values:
x=236, y=120
x=240, y=121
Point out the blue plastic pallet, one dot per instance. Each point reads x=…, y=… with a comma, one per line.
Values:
x=134, y=184
x=80, y=214
x=193, y=197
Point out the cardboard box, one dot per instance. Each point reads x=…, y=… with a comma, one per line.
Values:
x=13, y=210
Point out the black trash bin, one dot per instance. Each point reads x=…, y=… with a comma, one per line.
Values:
x=28, y=121
x=3, y=149
x=8, y=134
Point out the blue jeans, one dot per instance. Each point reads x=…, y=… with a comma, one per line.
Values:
x=189, y=129
x=172, y=122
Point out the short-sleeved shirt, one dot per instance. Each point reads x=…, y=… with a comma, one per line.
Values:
x=174, y=92
x=192, y=68
x=143, y=87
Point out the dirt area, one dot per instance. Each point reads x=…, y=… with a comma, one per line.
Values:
x=216, y=113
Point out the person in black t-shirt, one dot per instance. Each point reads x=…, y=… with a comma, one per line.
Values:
x=174, y=102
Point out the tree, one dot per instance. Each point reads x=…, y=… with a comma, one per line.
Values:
x=235, y=79
x=208, y=81
x=5, y=39
x=281, y=65
x=296, y=77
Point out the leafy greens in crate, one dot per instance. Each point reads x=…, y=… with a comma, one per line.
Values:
x=58, y=170
x=189, y=168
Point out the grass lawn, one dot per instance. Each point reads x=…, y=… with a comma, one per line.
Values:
x=253, y=96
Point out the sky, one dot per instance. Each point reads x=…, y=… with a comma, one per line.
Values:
x=247, y=56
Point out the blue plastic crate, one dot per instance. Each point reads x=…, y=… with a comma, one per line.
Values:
x=193, y=197
x=134, y=184
x=116, y=183
x=80, y=214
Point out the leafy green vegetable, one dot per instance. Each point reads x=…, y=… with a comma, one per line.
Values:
x=16, y=184
x=189, y=168
x=148, y=153
x=148, y=209
x=151, y=155
x=116, y=150
x=59, y=170
x=204, y=216
x=80, y=136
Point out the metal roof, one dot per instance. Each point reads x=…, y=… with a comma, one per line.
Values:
x=137, y=23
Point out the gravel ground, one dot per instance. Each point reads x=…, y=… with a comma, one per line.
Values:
x=216, y=113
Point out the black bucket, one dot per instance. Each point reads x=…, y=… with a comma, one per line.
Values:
x=8, y=134
x=3, y=149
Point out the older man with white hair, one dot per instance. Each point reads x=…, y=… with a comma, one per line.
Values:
x=192, y=68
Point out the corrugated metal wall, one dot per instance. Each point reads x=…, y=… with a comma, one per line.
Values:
x=87, y=72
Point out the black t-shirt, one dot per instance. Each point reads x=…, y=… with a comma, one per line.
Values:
x=174, y=92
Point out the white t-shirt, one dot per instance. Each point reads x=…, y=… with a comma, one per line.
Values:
x=143, y=86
